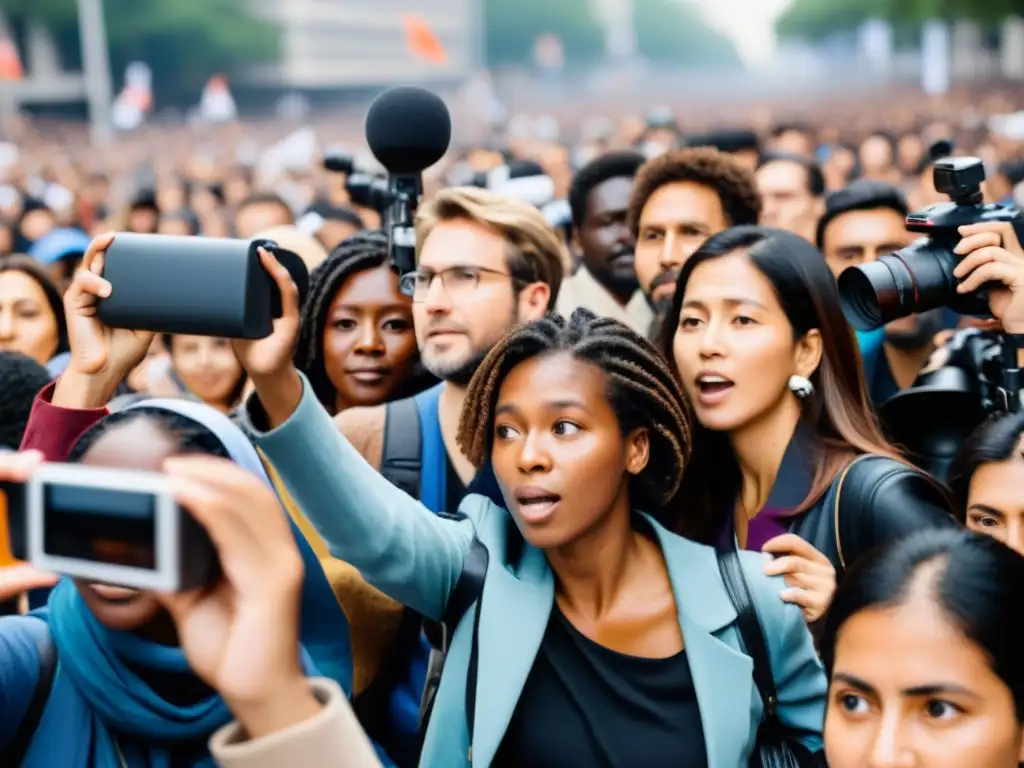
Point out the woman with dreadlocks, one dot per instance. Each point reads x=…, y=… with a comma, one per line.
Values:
x=597, y=636
x=356, y=343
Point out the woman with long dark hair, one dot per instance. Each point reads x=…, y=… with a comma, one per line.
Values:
x=923, y=655
x=31, y=313
x=987, y=479
x=772, y=369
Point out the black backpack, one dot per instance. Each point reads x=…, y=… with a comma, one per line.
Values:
x=14, y=752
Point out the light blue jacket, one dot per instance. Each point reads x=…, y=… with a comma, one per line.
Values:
x=416, y=558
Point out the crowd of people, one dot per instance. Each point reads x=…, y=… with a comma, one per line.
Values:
x=603, y=490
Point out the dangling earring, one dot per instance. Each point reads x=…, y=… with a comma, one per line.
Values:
x=801, y=386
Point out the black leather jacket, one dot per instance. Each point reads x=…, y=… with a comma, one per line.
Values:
x=876, y=500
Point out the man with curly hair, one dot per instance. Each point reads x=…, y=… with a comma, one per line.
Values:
x=679, y=200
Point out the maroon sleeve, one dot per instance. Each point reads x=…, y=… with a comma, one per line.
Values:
x=53, y=430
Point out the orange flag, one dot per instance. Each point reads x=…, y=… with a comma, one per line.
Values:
x=421, y=41
x=10, y=61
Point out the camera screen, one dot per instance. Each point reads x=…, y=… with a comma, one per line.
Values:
x=100, y=525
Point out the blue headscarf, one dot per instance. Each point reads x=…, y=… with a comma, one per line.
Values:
x=95, y=692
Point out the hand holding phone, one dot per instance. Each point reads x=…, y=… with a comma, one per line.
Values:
x=269, y=361
x=97, y=349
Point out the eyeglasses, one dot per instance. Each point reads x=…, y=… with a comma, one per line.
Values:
x=457, y=282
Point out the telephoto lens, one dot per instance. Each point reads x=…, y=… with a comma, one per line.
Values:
x=914, y=279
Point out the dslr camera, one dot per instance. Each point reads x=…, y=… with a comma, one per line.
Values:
x=115, y=526
x=920, y=277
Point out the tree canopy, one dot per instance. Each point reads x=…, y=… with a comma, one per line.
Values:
x=815, y=19
x=183, y=41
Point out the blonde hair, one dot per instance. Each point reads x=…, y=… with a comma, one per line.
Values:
x=536, y=253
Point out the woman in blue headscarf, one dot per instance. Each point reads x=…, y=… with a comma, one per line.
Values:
x=144, y=679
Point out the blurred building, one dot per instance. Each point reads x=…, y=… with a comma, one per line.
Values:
x=337, y=43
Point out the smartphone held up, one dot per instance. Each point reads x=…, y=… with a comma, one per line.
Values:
x=198, y=286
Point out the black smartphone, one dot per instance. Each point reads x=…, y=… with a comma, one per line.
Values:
x=200, y=286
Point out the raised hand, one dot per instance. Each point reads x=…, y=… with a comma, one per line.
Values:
x=269, y=361
x=993, y=254
x=242, y=636
x=100, y=356
x=272, y=356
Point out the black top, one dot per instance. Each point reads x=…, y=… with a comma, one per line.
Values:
x=586, y=705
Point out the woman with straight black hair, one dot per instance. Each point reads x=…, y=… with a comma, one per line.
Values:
x=987, y=479
x=923, y=656
x=772, y=368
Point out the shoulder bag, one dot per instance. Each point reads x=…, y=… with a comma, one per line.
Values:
x=774, y=747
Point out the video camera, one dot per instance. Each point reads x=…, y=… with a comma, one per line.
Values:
x=920, y=277
x=408, y=130
x=115, y=526
x=932, y=418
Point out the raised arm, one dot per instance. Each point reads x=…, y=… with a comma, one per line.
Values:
x=400, y=547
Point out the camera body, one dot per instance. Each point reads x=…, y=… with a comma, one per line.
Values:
x=965, y=390
x=115, y=526
x=194, y=285
x=395, y=197
x=920, y=277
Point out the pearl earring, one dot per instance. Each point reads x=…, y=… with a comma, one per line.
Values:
x=801, y=386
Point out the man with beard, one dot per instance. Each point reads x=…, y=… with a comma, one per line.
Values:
x=862, y=222
x=605, y=282
x=485, y=263
x=679, y=200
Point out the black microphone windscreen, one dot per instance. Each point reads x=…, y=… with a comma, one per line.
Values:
x=408, y=129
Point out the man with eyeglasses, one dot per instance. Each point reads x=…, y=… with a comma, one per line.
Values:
x=485, y=263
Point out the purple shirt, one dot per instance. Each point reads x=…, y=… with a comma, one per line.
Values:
x=764, y=527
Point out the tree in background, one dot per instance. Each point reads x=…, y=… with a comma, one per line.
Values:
x=818, y=19
x=672, y=32
x=183, y=41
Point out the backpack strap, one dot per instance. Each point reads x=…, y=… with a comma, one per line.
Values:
x=468, y=590
x=14, y=752
x=471, y=674
x=401, y=461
